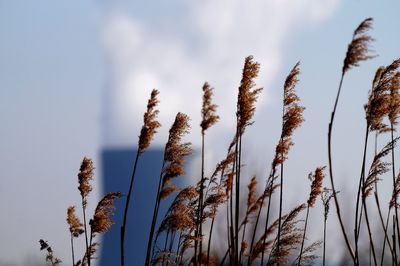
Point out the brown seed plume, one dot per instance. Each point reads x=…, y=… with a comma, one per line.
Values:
x=75, y=225
x=53, y=260
x=292, y=116
x=308, y=256
x=383, y=97
x=175, y=153
x=84, y=177
x=208, y=111
x=316, y=185
x=378, y=168
x=215, y=198
x=394, y=104
x=395, y=193
x=247, y=95
x=358, y=50
x=181, y=215
x=290, y=239
x=101, y=221
x=150, y=125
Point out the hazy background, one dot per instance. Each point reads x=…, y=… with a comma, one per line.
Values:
x=75, y=77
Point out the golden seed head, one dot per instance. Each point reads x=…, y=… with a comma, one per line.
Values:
x=84, y=177
x=75, y=225
x=150, y=125
x=208, y=111
x=101, y=221
x=358, y=50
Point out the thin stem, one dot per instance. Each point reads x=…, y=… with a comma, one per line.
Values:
x=386, y=238
x=304, y=235
x=154, y=220
x=280, y=209
x=369, y=232
x=128, y=199
x=360, y=185
x=331, y=173
x=394, y=184
x=266, y=222
x=324, y=249
x=84, y=223
x=72, y=250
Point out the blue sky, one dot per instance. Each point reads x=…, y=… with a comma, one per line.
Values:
x=75, y=75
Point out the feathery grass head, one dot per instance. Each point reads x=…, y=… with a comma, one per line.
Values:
x=84, y=177
x=308, y=256
x=53, y=260
x=247, y=95
x=208, y=111
x=394, y=104
x=358, y=50
x=175, y=153
x=75, y=225
x=316, y=185
x=101, y=221
x=150, y=124
x=292, y=116
x=181, y=215
x=383, y=98
x=378, y=168
x=395, y=193
x=291, y=237
x=326, y=196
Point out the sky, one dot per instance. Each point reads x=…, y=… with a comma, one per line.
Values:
x=75, y=77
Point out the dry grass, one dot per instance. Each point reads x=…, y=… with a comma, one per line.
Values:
x=249, y=236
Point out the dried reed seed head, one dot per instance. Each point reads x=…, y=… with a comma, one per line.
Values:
x=359, y=48
x=175, y=153
x=247, y=95
x=395, y=193
x=308, y=256
x=101, y=221
x=75, y=225
x=383, y=97
x=150, y=123
x=316, y=185
x=252, y=194
x=394, y=105
x=377, y=168
x=54, y=261
x=291, y=237
x=84, y=177
x=208, y=111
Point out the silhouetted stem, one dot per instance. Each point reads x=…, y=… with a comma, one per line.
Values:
x=304, y=235
x=349, y=248
x=154, y=220
x=128, y=199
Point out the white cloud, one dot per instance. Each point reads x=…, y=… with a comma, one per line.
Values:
x=213, y=40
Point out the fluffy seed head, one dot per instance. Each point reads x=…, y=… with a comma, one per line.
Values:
x=84, y=177
x=101, y=221
x=316, y=185
x=175, y=153
x=75, y=225
x=208, y=111
x=247, y=95
x=150, y=125
x=358, y=50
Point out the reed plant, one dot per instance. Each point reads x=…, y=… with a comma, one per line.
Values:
x=251, y=232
